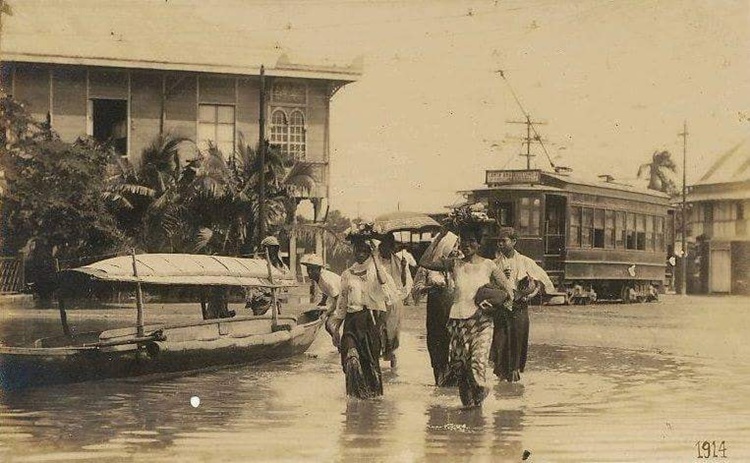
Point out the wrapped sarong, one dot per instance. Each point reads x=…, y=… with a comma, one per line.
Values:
x=469, y=352
x=510, y=342
x=360, y=353
x=391, y=329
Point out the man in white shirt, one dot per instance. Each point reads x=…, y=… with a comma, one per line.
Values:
x=328, y=282
x=510, y=341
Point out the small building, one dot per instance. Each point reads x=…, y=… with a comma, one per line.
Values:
x=717, y=225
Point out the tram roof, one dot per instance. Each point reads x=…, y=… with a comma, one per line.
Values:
x=537, y=180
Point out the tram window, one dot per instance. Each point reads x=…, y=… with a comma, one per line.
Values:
x=640, y=228
x=599, y=228
x=505, y=214
x=528, y=220
x=659, y=233
x=575, y=227
x=649, y=233
x=536, y=209
x=620, y=230
x=587, y=227
x=629, y=231
x=609, y=229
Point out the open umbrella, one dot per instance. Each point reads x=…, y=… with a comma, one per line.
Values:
x=404, y=221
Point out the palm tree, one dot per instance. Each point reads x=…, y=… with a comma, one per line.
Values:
x=660, y=172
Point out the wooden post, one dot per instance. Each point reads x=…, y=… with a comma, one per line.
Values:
x=262, y=157
x=138, y=299
x=61, y=304
x=274, y=300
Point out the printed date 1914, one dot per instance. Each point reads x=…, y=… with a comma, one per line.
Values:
x=711, y=449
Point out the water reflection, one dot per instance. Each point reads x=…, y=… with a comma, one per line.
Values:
x=617, y=404
x=454, y=431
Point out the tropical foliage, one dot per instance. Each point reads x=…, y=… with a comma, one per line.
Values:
x=660, y=172
x=52, y=203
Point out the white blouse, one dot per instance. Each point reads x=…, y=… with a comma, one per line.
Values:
x=469, y=277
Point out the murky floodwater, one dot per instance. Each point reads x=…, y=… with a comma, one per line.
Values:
x=576, y=403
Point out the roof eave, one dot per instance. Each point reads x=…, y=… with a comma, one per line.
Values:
x=335, y=73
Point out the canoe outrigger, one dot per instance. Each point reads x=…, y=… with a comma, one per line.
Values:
x=162, y=348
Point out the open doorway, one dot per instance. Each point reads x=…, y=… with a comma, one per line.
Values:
x=110, y=123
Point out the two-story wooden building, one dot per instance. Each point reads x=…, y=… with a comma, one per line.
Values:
x=124, y=75
x=719, y=227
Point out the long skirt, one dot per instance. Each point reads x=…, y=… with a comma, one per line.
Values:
x=438, y=339
x=360, y=353
x=510, y=342
x=391, y=329
x=469, y=352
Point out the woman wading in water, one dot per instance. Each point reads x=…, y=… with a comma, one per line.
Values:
x=470, y=321
x=367, y=293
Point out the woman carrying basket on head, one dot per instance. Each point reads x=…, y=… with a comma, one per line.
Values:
x=479, y=287
x=367, y=293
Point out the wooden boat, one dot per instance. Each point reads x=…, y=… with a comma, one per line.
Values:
x=161, y=348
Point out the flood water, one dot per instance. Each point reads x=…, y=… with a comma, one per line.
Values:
x=621, y=383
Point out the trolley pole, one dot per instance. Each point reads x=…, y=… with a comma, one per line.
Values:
x=683, y=260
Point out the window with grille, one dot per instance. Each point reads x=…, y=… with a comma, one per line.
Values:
x=287, y=131
x=216, y=125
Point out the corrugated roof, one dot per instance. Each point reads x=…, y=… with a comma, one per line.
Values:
x=157, y=35
x=186, y=270
x=730, y=167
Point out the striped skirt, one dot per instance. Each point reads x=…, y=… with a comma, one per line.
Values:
x=470, y=343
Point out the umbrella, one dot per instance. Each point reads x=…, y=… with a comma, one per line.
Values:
x=404, y=221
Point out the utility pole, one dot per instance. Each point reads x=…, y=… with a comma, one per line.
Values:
x=528, y=139
x=683, y=261
x=262, y=158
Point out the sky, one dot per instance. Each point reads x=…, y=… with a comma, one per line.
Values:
x=613, y=81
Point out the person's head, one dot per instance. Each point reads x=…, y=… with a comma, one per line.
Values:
x=314, y=265
x=387, y=245
x=506, y=240
x=362, y=250
x=470, y=241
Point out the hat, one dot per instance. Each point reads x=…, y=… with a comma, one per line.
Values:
x=360, y=232
x=270, y=241
x=312, y=260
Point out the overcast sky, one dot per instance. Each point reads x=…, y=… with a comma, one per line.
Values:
x=613, y=80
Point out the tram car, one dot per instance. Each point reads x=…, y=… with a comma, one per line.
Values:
x=597, y=240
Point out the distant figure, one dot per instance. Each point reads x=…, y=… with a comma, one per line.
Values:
x=402, y=278
x=510, y=342
x=367, y=293
x=260, y=300
x=328, y=282
x=408, y=264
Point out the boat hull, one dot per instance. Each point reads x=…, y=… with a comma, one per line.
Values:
x=209, y=344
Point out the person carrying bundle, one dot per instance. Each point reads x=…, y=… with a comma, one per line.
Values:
x=367, y=293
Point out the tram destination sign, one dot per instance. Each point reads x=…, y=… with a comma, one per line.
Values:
x=507, y=177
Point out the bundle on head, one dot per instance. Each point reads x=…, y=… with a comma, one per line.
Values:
x=468, y=218
x=363, y=231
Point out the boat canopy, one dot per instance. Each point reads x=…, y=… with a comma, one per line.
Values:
x=185, y=270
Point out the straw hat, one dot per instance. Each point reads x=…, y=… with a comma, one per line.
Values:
x=312, y=260
x=270, y=241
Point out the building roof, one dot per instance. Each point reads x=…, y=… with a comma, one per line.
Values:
x=159, y=35
x=731, y=167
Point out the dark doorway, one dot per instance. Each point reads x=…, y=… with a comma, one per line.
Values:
x=110, y=120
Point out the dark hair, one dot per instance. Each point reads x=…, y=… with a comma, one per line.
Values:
x=475, y=232
x=510, y=232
